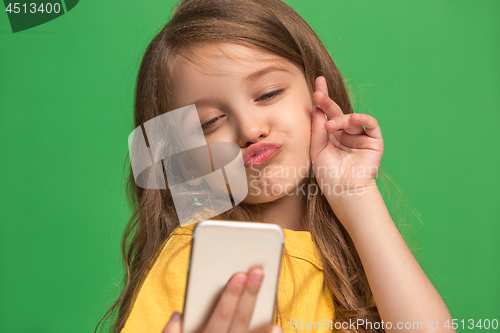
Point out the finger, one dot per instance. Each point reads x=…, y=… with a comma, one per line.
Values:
x=319, y=134
x=277, y=329
x=221, y=317
x=268, y=329
x=320, y=85
x=360, y=141
x=345, y=123
x=174, y=324
x=243, y=314
x=323, y=100
x=372, y=128
x=329, y=107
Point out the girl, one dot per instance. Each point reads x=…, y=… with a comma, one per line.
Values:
x=261, y=78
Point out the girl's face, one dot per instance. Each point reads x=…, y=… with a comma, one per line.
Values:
x=257, y=100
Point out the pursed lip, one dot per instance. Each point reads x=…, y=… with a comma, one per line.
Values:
x=264, y=149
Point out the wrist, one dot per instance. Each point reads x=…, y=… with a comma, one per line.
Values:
x=339, y=195
x=358, y=209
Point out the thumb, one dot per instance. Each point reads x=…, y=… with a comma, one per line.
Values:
x=319, y=134
x=174, y=324
x=276, y=329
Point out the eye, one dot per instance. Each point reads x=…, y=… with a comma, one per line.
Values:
x=211, y=122
x=271, y=95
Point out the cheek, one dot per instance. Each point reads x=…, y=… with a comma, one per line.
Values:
x=299, y=146
x=221, y=135
x=288, y=169
x=297, y=126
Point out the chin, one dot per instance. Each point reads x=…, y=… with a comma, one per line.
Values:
x=269, y=189
x=274, y=181
x=260, y=199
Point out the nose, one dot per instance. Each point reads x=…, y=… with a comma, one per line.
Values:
x=252, y=129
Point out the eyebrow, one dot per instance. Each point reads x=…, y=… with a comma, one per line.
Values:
x=265, y=71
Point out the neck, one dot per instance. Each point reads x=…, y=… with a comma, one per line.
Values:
x=285, y=212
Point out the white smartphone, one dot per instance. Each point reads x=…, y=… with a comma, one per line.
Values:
x=222, y=248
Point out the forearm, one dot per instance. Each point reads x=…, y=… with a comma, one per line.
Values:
x=402, y=291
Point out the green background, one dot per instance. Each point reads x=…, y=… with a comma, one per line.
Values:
x=427, y=70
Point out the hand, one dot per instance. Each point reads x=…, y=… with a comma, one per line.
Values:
x=233, y=311
x=345, y=156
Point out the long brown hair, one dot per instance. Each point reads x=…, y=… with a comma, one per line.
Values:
x=271, y=26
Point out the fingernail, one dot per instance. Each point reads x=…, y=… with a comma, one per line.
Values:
x=332, y=122
x=240, y=279
x=257, y=276
x=176, y=316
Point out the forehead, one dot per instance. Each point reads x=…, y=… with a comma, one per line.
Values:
x=226, y=59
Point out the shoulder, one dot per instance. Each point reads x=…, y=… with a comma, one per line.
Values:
x=176, y=247
x=172, y=257
x=179, y=239
x=163, y=284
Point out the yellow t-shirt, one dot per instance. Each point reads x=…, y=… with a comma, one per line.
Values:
x=163, y=289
